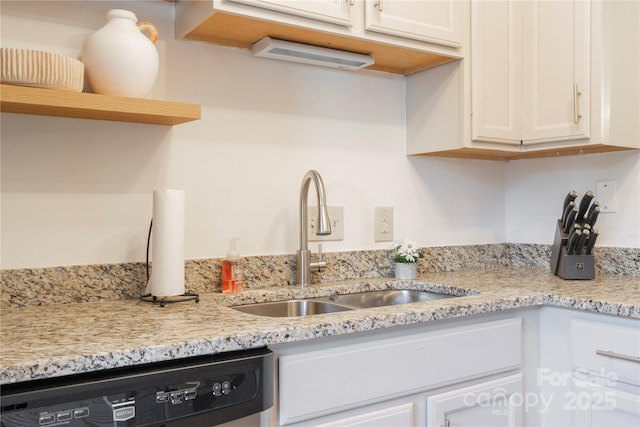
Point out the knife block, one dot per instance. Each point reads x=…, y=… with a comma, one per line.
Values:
x=569, y=267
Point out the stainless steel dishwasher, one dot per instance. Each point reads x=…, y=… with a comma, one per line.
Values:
x=201, y=391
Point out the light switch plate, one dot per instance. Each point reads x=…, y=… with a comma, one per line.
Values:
x=337, y=224
x=606, y=196
x=383, y=223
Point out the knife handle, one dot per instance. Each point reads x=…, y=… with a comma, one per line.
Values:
x=594, y=216
x=584, y=204
x=593, y=206
x=581, y=241
x=592, y=241
x=573, y=229
x=565, y=214
x=570, y=219
x=570, y=197
x=573, y=241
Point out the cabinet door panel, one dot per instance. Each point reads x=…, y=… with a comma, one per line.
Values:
x=600, y=406
x=530, y=71
x=555, y=69
x=435, y=21
x=496, y=76
x=487, y=404
x=333, y=11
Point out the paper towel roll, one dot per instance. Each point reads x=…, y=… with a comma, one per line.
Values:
x=167, y=243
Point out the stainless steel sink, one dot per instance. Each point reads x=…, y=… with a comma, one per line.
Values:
x=338, y=303
x=292, y=308
x=386, y=297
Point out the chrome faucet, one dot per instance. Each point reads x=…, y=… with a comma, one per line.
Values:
x=303, y=263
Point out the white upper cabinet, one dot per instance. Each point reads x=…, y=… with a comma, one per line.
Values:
x=435, y=21
x=530, y=71
x=538, y=79
x=555, y=70
x=407, y=36
x=333, y=11
x=496, y=52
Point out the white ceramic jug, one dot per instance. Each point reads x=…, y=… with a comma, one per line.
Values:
x=119, y=59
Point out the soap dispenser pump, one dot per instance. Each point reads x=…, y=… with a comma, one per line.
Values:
x=229, y=269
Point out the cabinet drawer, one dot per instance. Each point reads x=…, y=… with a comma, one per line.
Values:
x=400, y=415
x=320, y=382
x=612, y=351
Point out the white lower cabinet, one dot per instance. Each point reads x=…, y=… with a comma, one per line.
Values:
x=533, y=367
x=605, y=360
x=383, y=381
x=492, y=403
x=589, y=372
x=597, y=405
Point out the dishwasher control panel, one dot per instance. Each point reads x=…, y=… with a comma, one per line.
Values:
x=209, y=394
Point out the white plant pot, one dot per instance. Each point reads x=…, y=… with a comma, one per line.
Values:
x=119, y=59
x=406, y=271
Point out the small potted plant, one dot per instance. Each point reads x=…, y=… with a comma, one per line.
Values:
x=405, y=256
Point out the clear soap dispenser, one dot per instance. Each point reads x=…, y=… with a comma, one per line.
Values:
x=231, y=282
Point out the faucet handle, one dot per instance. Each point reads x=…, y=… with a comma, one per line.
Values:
x=321, y=263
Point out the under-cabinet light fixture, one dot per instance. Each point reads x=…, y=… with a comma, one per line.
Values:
x=308, y=54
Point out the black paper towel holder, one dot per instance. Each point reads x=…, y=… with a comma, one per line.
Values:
x=162, y=300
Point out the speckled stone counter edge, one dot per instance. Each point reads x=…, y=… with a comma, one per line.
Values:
x=87, y=283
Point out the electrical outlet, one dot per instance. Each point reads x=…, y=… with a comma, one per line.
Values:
x=337, y=224
x=383, y=223
x=606, y=196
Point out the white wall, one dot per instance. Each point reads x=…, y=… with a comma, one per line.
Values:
x=80, y=191
x=536, y=188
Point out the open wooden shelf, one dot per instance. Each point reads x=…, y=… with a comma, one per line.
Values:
x=51, y=102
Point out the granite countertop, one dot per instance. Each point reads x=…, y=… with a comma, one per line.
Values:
x=50, y=341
